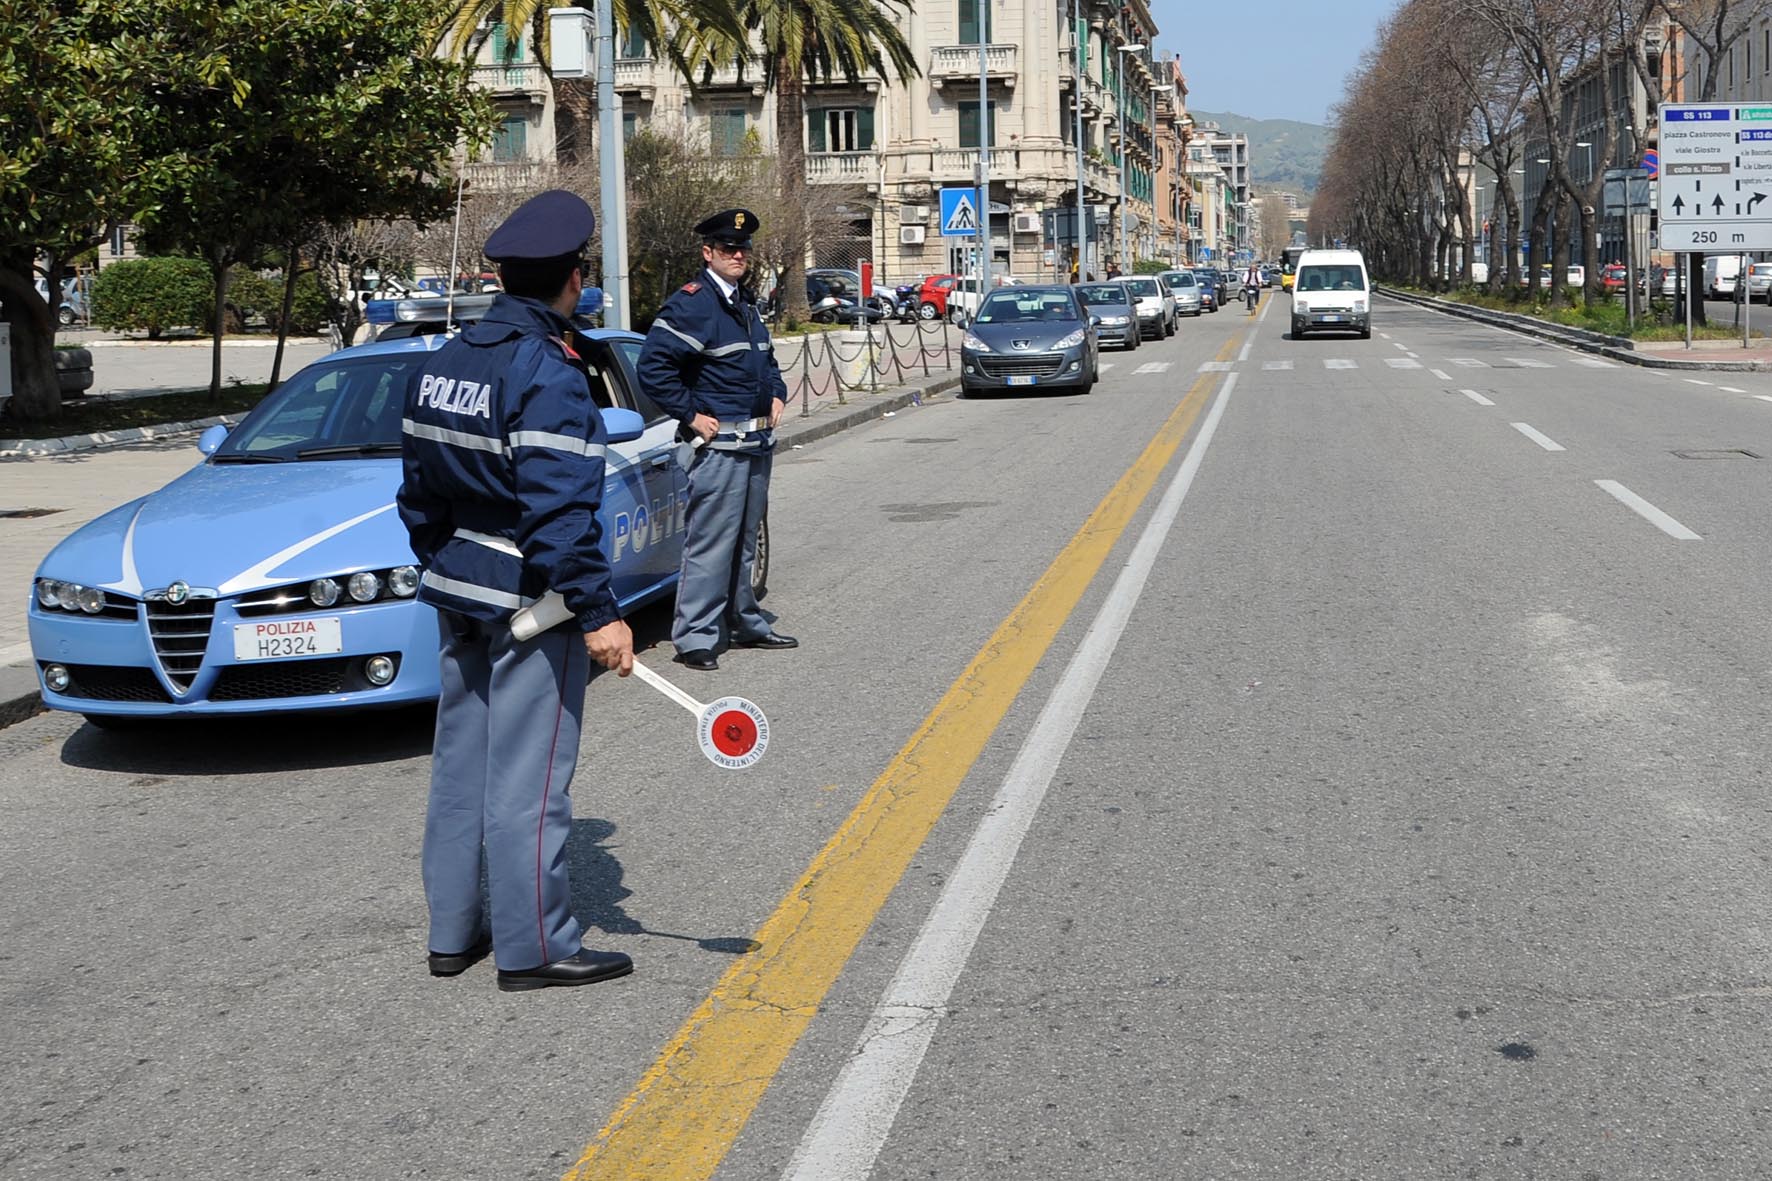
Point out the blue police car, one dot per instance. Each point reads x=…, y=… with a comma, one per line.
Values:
x=276, y=575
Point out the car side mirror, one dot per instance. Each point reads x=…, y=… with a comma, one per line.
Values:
x=211, y=440
x=624, y=426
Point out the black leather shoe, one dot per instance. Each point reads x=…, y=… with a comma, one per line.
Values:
x=461, y=961
x=700, y=658
x=585, y=967
x=772, y=640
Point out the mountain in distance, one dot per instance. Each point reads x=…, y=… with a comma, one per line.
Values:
x=1283, y=154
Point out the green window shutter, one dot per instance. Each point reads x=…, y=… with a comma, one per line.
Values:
x=969, y=125
x=815, y=141
x=864, y=129
x=498, y=42
x=970, y=11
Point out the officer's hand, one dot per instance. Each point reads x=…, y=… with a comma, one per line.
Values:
x=612, y=646
x=705, y=425
x=775, y=413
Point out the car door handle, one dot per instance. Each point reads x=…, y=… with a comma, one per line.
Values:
x=659, y=460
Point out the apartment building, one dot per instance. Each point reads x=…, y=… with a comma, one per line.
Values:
x=1057, y=74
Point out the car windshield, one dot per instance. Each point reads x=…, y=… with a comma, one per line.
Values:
x=1142, y=287
x=1004, y=307
x=336, y=411
x=1329, y=277
x=1762, y=268
x=1184, y=279
x=1103, y=293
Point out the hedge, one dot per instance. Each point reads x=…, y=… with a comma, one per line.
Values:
x=153, y=294
x=262, y=295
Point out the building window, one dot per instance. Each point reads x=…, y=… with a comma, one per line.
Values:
x=969, y=21
x=633, y=44
x=505, y=48
x=508, y=142
x=630, y=124
x=726, y=128
x=969, y=124
x=840, y=129
x=117, y=242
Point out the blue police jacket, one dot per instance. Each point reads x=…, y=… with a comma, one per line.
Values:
x=707, y=354
x=502, y=453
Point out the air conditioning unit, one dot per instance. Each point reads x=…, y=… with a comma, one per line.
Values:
x=910, y=235
x=910, y=214
x=1027, y=223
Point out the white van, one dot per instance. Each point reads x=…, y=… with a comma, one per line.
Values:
x=1720, y=273
x=1330, y=289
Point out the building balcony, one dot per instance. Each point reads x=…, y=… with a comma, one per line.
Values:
x=516, y=80
x=959, y=64
x=505, y=175
x=843, y=168
x=726, y=77
x=638, y=76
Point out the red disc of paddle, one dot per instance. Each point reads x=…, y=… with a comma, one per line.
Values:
x=733, y=732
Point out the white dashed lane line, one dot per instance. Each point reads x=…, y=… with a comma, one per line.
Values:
x=1538, y=437
x=1764, y=397
x=1441, y=374
x=1729, y=389
x=1694, y=381
x=1648, y=511
x=1474, y=396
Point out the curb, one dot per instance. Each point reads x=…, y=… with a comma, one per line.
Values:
x=858, y=413
x=39, y=448
x=1575, y=338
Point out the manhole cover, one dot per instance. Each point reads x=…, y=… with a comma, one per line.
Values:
x=1718, y=453
x=28, y=512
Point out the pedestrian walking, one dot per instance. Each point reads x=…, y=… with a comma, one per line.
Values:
x=503, y=470
x=709, y=362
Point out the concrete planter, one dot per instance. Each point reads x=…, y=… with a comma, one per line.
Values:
x=73, y=369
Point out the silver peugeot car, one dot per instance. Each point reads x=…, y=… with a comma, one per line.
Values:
x=1030, y=336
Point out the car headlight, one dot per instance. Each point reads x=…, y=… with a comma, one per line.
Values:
x=1072, y=340
x=1113, y=321
x=1359, y=305
x=976, y=345
x=49, y=592
x=403, y=581
x=364, y=586
x=323, y=592
x=91, y=599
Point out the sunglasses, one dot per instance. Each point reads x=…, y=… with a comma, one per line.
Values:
x=730, y=250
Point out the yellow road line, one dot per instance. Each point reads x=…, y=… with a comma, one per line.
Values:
x=686, y=1110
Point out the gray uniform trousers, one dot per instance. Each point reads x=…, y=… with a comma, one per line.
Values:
x=507, y=744
x=728, y=495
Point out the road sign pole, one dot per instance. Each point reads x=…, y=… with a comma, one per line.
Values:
x=1685, y=258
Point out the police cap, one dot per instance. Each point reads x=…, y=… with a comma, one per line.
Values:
x=555, y=224
x=734, y=227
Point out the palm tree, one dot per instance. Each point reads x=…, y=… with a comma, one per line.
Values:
x=801, y=41
x=462, y=27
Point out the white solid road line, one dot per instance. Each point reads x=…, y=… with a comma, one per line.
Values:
x=1542, y=440
x=1441, y=374
x=1648, y=511
x=852, y=1123
x=1474, y=396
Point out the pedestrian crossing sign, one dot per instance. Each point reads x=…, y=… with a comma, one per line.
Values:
x=959, y=213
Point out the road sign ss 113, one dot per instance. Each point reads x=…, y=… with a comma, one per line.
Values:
x=1715, y=177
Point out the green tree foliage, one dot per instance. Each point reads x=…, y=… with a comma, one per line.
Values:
x=673, y=182
x=152, y=295
x=257, y=297
x=802, y=41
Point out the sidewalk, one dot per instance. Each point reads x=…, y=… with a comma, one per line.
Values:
x=45, y=497
x=1717, y=355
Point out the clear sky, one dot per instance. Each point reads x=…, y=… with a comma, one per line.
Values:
x=1269, y=59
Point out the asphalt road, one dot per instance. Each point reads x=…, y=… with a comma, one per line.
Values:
x=1390, y=796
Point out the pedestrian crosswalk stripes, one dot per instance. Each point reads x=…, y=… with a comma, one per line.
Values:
x=1402, y=362
x=1593, y=362
x=1339, y=363
x=1216, y=367
x=1276, y=364
x=1153, y=367
x=1529, y=362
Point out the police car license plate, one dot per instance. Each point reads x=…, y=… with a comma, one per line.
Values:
x=275, y=639
x=1023, y=379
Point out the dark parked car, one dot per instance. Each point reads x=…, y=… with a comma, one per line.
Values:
x=1209, y=291
x=1109, y=303
x=1030, y=336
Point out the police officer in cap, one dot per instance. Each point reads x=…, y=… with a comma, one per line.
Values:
x=709, y=362
x=503, y=461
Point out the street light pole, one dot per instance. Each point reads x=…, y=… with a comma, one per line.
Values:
x=983, y=10
x=1125, y=246
x=1080, y=234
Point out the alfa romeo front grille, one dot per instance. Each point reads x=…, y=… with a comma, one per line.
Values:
x=180, y=635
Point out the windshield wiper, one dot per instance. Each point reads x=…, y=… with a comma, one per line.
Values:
x=349, y=450
x=246, y=458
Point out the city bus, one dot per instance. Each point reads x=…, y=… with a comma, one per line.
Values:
x=1289, y=265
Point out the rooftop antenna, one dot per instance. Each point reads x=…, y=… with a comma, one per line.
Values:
x=461, y=183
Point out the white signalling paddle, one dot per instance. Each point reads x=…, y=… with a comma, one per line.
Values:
x=733, y=731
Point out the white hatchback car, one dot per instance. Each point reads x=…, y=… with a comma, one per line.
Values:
x=1186, y=291
x=1154, y=303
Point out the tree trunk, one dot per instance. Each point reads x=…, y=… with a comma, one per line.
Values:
x=291, y=270
x=790, y=119
x=1559, y=272
x=1510, y=273
x=1536, y=256
x=36, y=390
x=218, y=270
